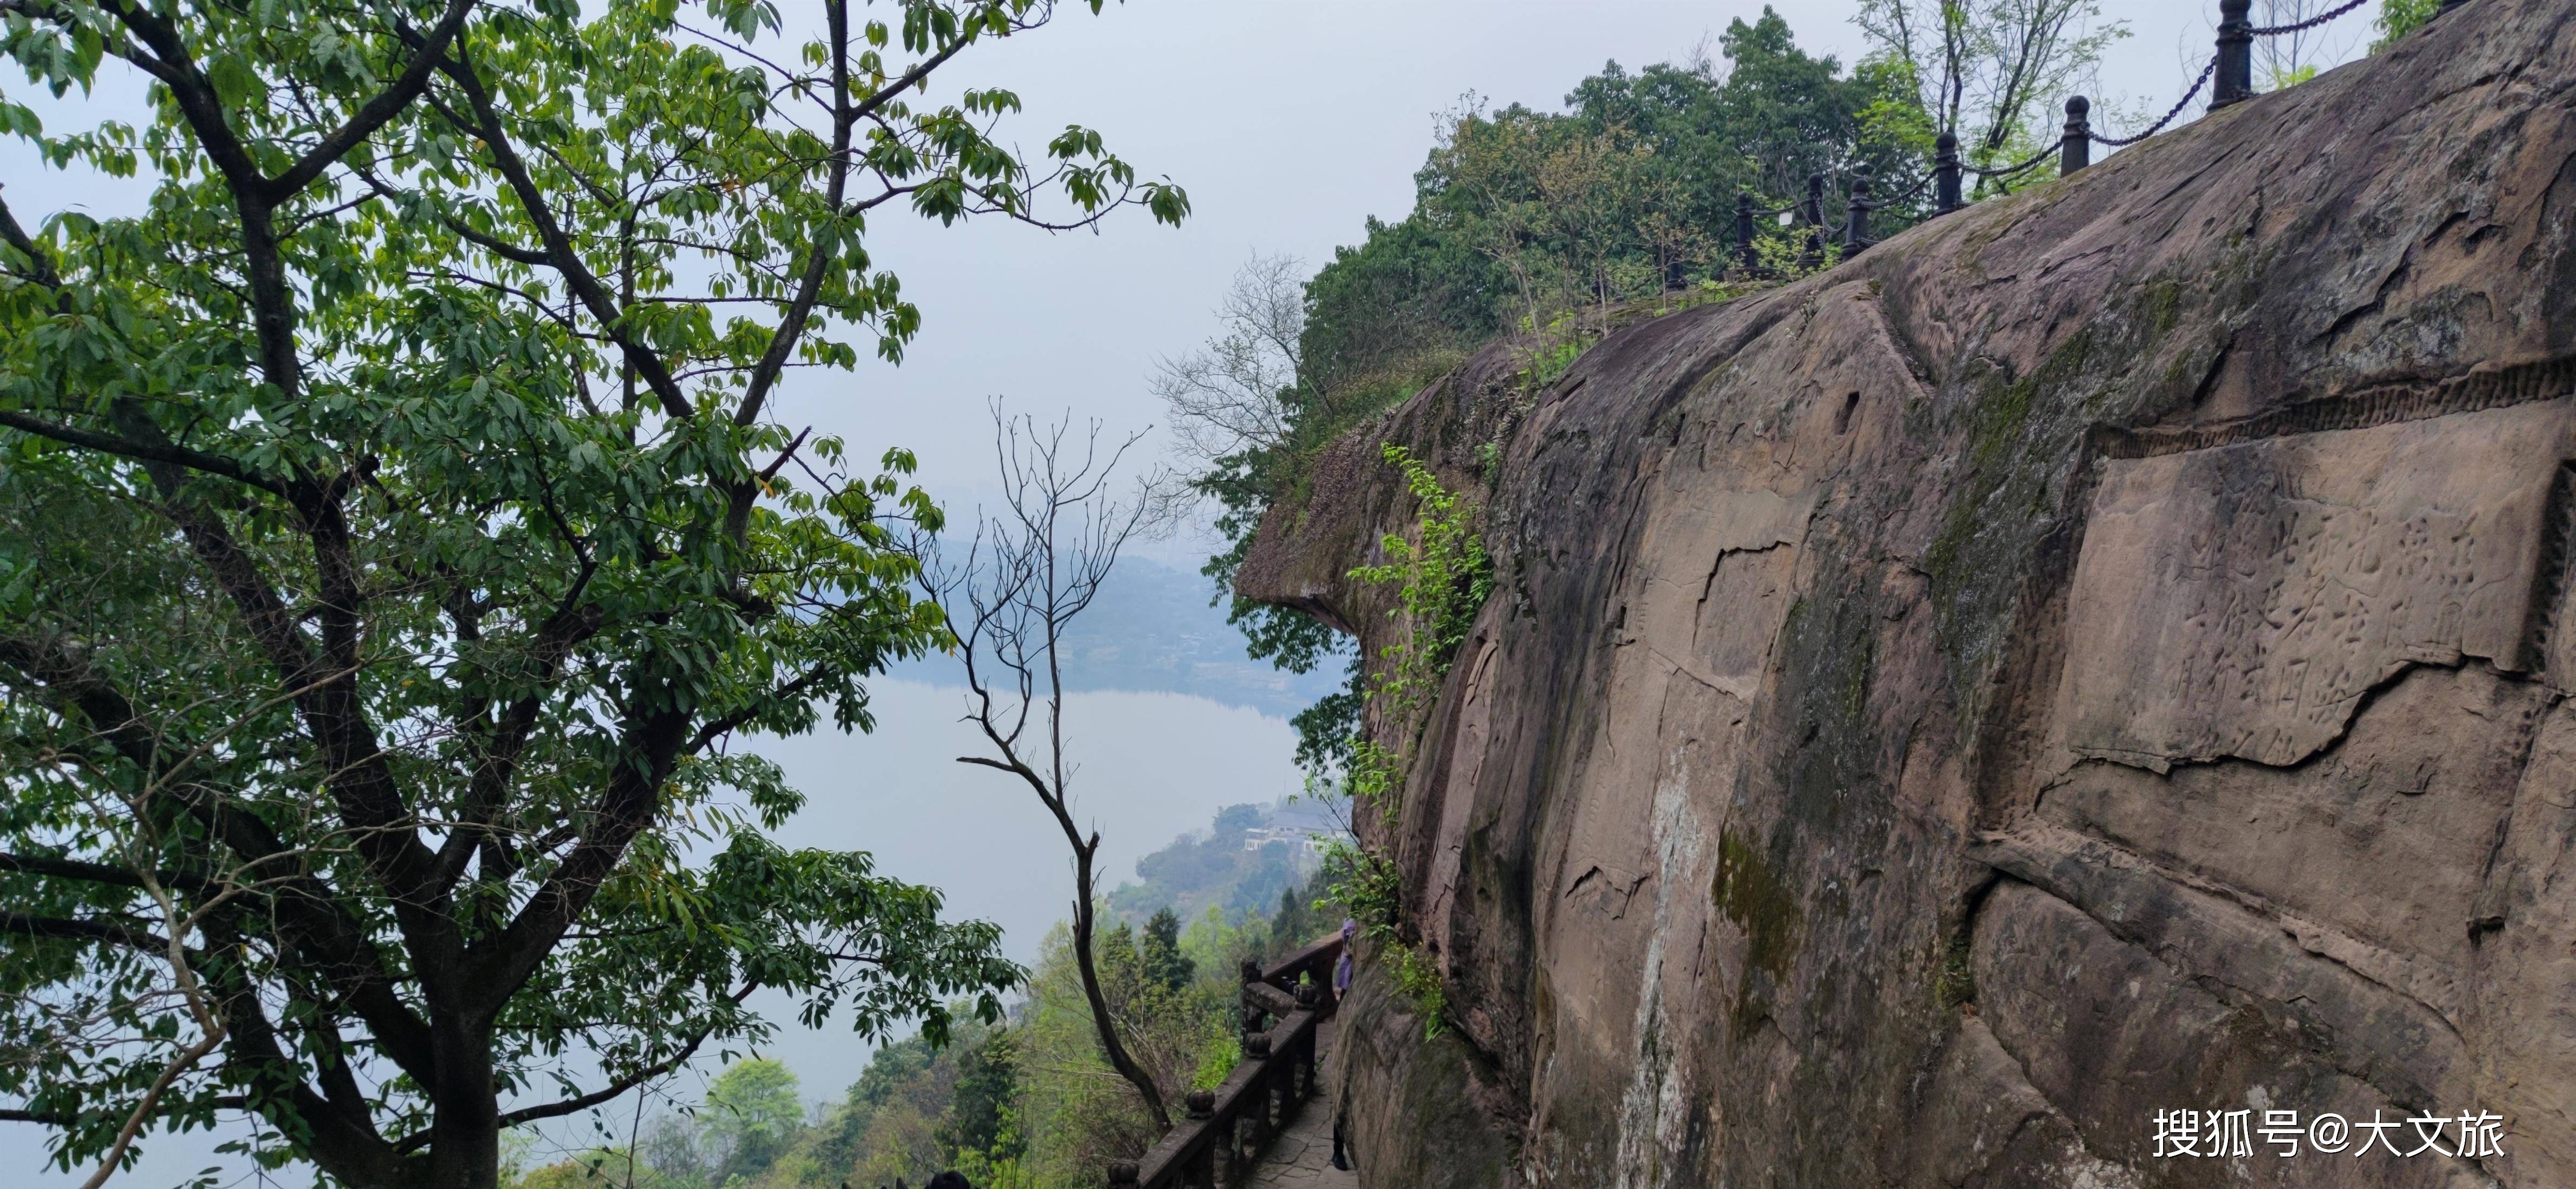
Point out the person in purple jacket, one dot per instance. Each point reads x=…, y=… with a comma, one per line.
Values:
x=1342, y=971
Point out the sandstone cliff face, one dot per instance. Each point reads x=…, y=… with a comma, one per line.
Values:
x=2098, y=653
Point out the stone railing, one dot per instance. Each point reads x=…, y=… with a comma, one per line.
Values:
x=1228, y=1128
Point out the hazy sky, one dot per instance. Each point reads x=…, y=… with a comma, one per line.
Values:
x=1290, y=124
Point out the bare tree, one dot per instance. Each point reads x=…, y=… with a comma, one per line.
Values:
x=1239, y=390
x=1031, y=568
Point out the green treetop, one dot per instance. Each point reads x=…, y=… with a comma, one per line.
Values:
x=398, y=529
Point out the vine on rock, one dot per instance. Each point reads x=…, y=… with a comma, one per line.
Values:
x=1441, y=575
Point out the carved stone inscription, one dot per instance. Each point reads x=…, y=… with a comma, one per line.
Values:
x=2243, y=600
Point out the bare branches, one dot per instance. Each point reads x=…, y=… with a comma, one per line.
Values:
x=1032, y=568
x=177, y=926
x=1239, y=390
x=2294, y=57
x=305, y=915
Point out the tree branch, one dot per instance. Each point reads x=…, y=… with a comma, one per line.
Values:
x=76, y=929
x=195, y=460
x=98, y=873
x=272, y=297
x=326, y=694
x=462, y=230
x=560, y=253
x=493, y=969
x=308, y=916
x=17, y=237
x=553, y=1110
x=377, y=111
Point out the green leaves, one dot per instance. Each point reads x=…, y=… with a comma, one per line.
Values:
x=390, y=561
x=1441, y=576
x=236, y=82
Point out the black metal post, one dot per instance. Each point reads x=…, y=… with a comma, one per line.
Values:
x=1744, y=256
x=2075, y=148
x=2235, y=81
x=1945, y=173
x=1856, y=223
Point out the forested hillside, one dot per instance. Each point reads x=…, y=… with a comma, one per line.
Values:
x=1248, y=857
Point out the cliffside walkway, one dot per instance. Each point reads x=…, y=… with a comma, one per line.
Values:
x=1264, y=1124
x=1302, y=1156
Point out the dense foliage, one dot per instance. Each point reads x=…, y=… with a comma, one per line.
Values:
x=1028, y=1104
x=1521, y=216
x=395, y=529
x=2397, y=18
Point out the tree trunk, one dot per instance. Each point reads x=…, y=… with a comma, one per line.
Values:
x=1090, y=969
x=465, y=1137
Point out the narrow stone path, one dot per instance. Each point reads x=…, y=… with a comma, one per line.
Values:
x=1302, y=1156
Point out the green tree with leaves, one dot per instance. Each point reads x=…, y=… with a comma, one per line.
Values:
x=1992, y=72
x=983, y=1107
x=752, y=1112
x=1076, y=1109
x=2397, y=18
x=1158, y=950
x=398, y=531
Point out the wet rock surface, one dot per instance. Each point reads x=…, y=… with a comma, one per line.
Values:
x=2100, y=653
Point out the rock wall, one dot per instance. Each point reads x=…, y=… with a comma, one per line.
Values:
x=2099, y=653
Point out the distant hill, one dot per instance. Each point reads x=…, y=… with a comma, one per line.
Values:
x=1241, y=863
x=1153, y=629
